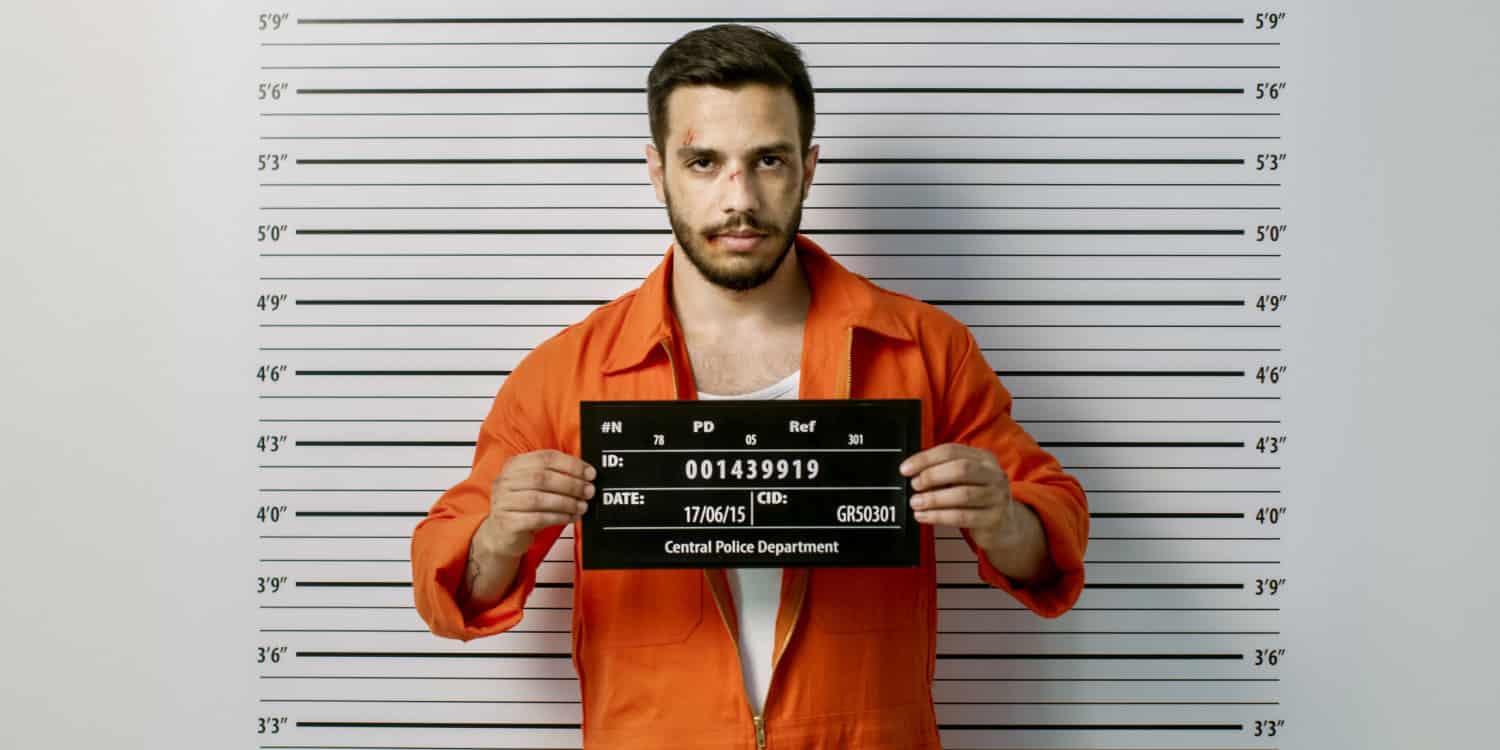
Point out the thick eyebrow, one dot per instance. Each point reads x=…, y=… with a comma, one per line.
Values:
x=699, y=152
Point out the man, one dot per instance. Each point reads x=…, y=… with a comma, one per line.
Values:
x=740, y=303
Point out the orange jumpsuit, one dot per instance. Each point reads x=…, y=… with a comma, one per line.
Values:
x=855, y=648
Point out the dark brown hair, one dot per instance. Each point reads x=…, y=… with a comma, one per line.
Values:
x=728, y=55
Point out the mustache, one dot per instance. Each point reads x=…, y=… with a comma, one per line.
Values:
x=745, y=225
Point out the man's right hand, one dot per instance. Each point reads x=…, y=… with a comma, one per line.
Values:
x=533, y=491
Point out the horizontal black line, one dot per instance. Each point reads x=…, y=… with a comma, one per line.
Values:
x=1123, y=586
x=1187, y=538
x=487, y=373
x=943, y=632
x=1168, y=586
x=928, y=160
x=1118, y=609
x=1152, y=515
x=489, y=397
x=528, y=348
x=839, y=255
x=940, y=655
x=839, y=90
x=800, y=43
x=408, y=677
x=362, y=513
x=862, y=183
x=432, y=725
x=820, y=138
x=595, y=302
x=356, y=584
x=1142, y=444
x=455, y=467
x=957, y=586
x=945, y=114
x=809, y=67
x=1090, y=657
x=403, y=561
x=872, y=278
x=463, y=701
x=1103, y=727
x=1123, y=373
x=824, y=208
x=1176, y=468
x=386, y=443
x=937, y=679
x=1161, y=468
x=435, y=654
x=924, y=232
x=1096, y=491
x=1144, y=421
x=466, y=398
x=1123, y=325
x=952, y=727
x=1023, y=421
x=782, y=19
x=1007, y=373
x=363, y=466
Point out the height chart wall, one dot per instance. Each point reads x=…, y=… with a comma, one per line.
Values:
x=1096, y=189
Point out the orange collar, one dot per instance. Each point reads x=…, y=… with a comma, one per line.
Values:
x=840, y=298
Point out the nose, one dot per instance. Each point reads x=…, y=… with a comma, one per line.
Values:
x=739, y=191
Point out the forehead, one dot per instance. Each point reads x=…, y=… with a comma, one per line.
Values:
x=724, y=117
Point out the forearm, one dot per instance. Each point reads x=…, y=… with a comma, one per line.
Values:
x=490, y=573
x=1020, y=550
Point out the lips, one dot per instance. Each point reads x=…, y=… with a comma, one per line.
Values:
x=738, y=240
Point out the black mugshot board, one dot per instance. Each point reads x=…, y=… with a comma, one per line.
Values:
x=702, y=484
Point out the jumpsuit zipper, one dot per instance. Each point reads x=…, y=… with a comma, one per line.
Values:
x=758, y=720
x=760, y=723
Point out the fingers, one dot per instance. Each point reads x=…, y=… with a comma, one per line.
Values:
x=956, y=496
x=918, y=462
x=531, y=521
x=545, y=480
x=963, y=470
x=541, y=489
x=968, y=518
x=556, y=461
x=539, y=501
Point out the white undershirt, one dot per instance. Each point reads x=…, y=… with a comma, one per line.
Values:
x=757, y=591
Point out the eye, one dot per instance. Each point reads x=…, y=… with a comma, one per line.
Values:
x=778, y=160
x=695, y=162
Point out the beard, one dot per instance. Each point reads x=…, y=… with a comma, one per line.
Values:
x=731, y=273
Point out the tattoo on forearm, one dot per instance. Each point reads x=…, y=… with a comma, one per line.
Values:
x=472, y=575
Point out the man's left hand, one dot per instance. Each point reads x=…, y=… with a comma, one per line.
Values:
x=962, y=486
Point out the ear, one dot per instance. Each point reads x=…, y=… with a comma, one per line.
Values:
x=809, y=165
x=654, y=167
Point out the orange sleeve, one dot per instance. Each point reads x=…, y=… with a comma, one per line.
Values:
x=440, y=542
x=977, y=412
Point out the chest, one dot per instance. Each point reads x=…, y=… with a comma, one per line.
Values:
x=741, y=364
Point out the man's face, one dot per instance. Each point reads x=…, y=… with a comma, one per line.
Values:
x=732, y=179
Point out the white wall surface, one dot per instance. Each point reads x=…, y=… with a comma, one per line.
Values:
x=129, y=619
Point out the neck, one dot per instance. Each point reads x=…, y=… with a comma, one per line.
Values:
x=704, y=307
